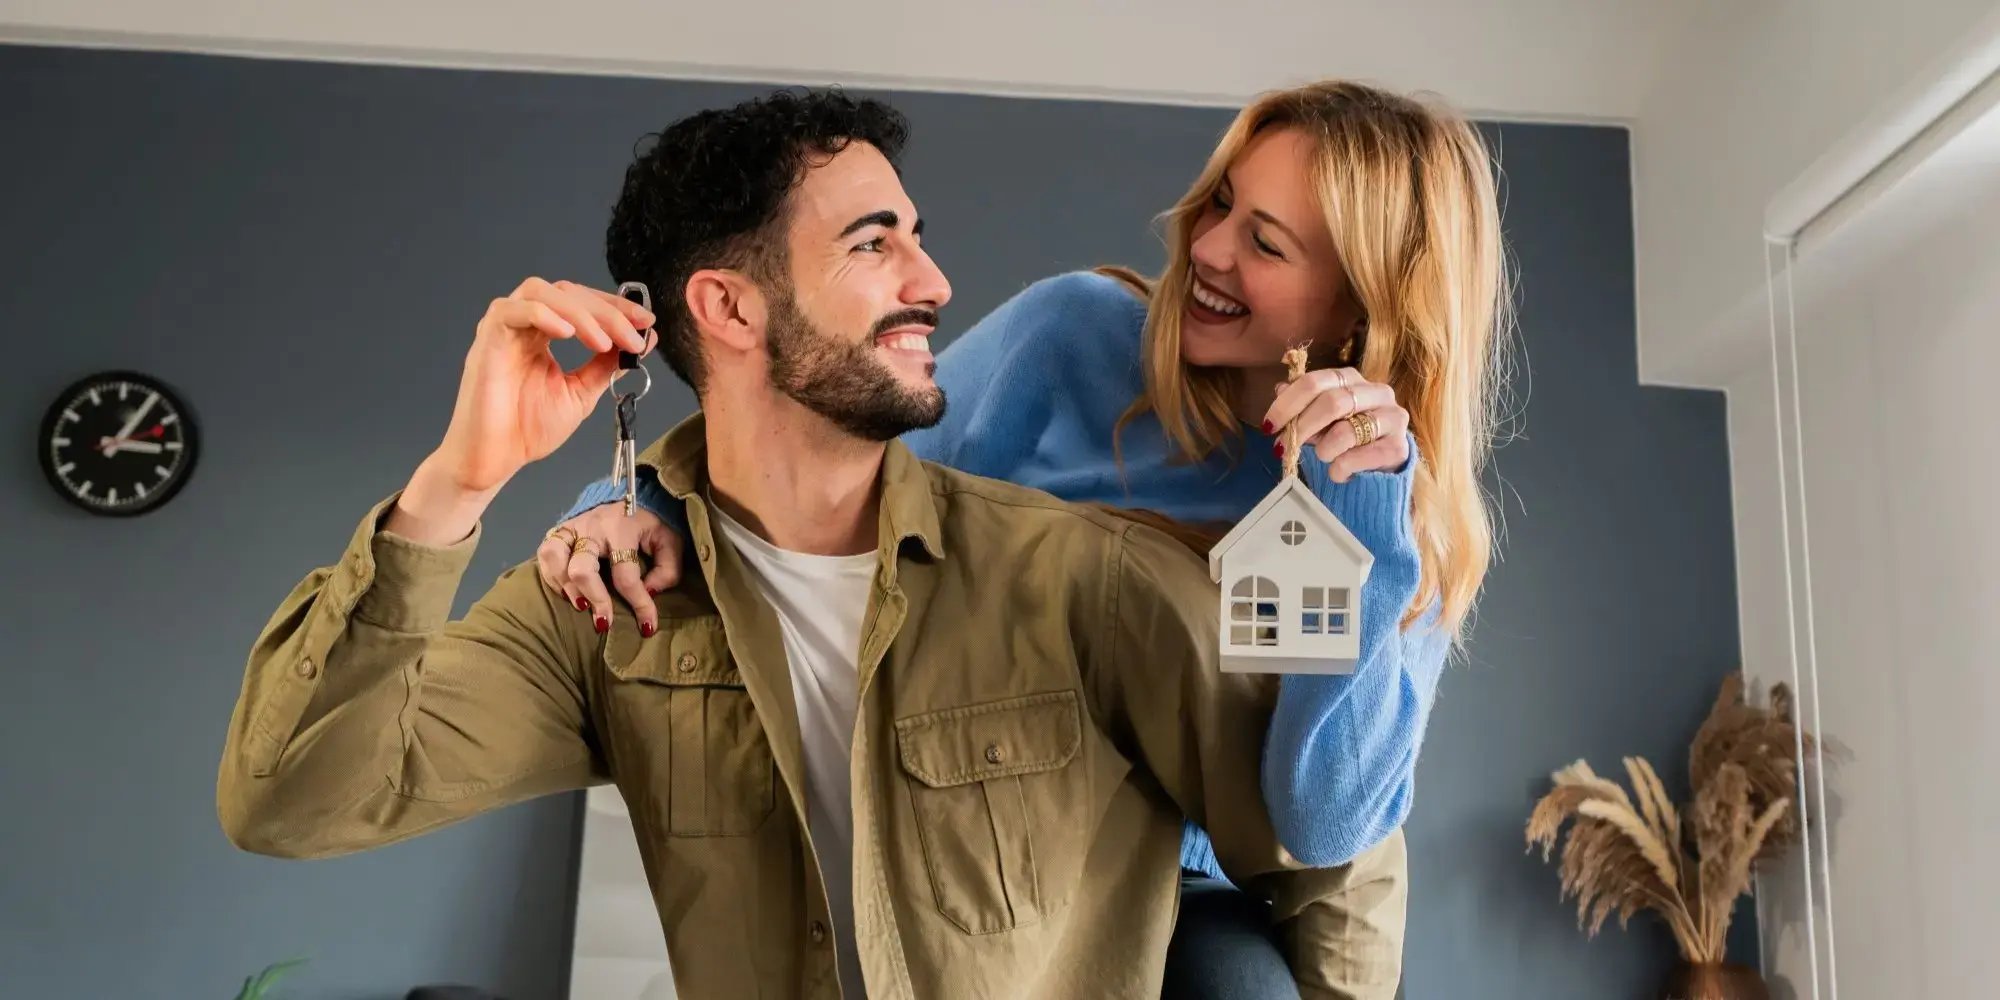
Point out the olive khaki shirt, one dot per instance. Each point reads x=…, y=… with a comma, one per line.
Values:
x=1040, y=706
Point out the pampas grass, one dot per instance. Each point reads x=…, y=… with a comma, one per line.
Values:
x=1627, y=858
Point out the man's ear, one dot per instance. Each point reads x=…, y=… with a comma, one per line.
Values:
x=727, y=306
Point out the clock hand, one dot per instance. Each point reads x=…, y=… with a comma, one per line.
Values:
x=132, y=423
x=143, y=447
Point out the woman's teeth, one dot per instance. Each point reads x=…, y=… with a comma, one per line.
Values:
x=1215, y=301
x=908, y=342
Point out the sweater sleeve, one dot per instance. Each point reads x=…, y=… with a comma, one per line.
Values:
x=1020, y=374
x=650, y=494
x=1340, y=757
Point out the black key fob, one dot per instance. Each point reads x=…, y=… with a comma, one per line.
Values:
x=633, y=291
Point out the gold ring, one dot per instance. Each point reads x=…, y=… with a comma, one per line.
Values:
x=577, y=547
x=1340, y=377
x=624, y=556
x=561, y=530
x=1364, y=427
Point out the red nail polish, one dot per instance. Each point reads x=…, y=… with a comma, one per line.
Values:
x=603, y=624
x=647, y=629
x=1278, y=450
x=1268, y=428
x=582, y=605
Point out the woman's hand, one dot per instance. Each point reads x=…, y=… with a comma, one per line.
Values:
x=571, y=560
x=1353, y=424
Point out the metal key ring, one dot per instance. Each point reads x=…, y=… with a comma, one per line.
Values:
x=644, y=388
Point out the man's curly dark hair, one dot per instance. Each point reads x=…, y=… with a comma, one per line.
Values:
x=711, y=192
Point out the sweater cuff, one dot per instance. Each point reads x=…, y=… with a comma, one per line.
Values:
x=406, y=586
x=595, y=495
x=650, y=495
x=1375, y=505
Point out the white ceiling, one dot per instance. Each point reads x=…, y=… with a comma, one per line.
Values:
x=1571, y=60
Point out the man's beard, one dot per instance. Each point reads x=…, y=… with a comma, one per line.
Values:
x=845, y=382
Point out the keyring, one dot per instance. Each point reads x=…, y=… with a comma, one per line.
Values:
x=635, y=291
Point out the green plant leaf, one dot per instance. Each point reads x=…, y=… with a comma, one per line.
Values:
x=255, y=987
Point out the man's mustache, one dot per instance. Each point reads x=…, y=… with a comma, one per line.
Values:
x=906, y=317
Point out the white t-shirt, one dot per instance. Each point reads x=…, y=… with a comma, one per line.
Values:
x=820, y=601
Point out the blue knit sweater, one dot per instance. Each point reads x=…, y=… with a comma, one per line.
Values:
x=1033, y=393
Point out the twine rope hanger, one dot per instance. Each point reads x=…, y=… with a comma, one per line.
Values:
x=1295, y=369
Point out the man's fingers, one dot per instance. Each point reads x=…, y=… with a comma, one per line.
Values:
x=633, y=311
x=575, y=309
x=526, y=314
x=590, y=379
x=614, y=321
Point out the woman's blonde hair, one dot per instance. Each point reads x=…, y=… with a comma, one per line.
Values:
x=1408, y=191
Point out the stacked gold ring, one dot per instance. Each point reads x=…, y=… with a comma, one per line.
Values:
x=624, y=556
x=1364, y=427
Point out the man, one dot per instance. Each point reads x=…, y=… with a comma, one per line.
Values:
x=906, y=733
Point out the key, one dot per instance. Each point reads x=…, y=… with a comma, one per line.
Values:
x=625, y=407
x=624, y=462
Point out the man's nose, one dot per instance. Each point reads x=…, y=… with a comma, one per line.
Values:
x=926, y=284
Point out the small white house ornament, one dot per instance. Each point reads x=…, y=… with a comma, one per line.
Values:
x=1290, y=577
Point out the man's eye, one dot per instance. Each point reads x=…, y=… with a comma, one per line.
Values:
x=872, y=246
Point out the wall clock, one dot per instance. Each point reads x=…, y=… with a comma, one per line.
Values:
x=118, y=443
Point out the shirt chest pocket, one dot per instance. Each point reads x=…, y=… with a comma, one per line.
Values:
x=687, y=748
x=995, y=797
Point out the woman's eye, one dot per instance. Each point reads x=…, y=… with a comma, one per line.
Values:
x=1266, y=247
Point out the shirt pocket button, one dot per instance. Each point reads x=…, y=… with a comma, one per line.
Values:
x=994, y=755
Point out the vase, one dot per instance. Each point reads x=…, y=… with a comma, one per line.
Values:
x=1714, y=981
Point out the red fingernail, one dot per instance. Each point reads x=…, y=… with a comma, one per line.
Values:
x=1278, y=450
x=603, y=624
x=647, y=629
x=582, y=605
x=1268, y=428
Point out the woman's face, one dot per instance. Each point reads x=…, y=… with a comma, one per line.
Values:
x=1266, y=276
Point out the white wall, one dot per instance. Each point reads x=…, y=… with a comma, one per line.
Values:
x=1749, y=95
x=1525, y=58
x=1900, y=422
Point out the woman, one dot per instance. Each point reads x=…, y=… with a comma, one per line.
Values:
x=1359, y=223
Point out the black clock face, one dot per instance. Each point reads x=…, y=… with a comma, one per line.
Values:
x=118, y=443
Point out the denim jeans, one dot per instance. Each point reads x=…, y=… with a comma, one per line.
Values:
x=1222, y=948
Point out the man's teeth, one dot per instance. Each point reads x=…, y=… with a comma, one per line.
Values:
x=1217, y=302
x=908, y=342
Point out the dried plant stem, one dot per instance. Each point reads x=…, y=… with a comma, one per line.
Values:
x=1624, y=858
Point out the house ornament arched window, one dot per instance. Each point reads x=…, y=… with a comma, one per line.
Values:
x=1253, y=612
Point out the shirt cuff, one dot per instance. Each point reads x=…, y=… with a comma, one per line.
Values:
x=402, y=584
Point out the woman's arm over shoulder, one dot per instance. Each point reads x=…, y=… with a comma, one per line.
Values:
x=1006, y=376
